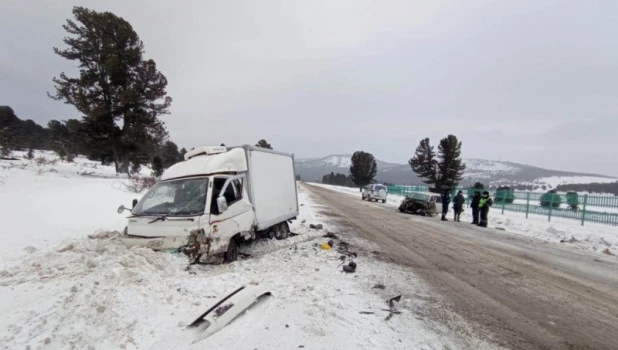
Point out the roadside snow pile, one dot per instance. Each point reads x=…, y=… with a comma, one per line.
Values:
x=47, y=201
x=597, y=238
x=85, y=293
x=96, y=293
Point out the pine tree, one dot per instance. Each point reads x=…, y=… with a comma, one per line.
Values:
x=450, y=165
x=363, y=169
x=425, y=164
x=120, y=94
x=442, y=172
x=181, y=154
x=169, y=154
x=263, y=144
x=157, y=166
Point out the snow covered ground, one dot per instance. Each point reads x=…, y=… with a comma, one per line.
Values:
x=44, y=203
x=68, y=282
x=593, y=237
x=554, y=181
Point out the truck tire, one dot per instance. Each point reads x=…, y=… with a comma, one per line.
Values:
x=282, y=231
x=232, y=252
x=285, y=229
x=384, y=201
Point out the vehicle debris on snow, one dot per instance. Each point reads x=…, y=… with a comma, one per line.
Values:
x=316, y=227
x=350, y=267
x=391, y=307
x=227, y=309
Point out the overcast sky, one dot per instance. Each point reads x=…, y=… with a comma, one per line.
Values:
x=534, y=82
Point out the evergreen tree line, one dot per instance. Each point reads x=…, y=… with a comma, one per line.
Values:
x=338, y=179
x=20, y=134
x=611, y=187
x=70, y=138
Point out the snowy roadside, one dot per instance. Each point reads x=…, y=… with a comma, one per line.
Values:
x=75, y=292
x=45, y=203
x=601, y=239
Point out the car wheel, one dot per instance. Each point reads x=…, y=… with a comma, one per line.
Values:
x=232, y=252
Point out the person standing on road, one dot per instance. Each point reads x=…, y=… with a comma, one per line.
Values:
x=484, y=205
x=446, y=199
x=475, y=207
x=458, y=205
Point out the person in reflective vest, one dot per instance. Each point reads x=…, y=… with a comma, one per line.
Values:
x=484, y=203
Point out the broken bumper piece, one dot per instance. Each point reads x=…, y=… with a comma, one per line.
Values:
x=227, y=309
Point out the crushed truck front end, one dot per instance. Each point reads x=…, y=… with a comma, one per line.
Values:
x=168, y=213
x=182, y=209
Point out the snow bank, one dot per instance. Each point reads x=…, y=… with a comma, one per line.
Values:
x=45, y=203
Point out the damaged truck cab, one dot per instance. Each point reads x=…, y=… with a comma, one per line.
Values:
x=215, y=199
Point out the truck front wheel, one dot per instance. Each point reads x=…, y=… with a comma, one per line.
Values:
x=232, y=252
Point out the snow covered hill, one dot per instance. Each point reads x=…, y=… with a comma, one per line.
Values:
x=489, y=172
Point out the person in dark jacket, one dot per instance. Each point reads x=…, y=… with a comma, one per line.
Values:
x=484, y=205
x=475, y=207
x=458, y=204
x=446, y=199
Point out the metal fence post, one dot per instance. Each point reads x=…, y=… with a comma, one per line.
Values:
x=551, y=205
x=584, y=210
x=503, y=201
x=527, y=204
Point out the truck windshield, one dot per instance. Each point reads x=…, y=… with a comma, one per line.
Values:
x=184, y=197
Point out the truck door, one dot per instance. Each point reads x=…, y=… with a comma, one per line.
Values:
x=238, y=217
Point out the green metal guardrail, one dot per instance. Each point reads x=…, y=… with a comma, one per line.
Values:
x=563, y=205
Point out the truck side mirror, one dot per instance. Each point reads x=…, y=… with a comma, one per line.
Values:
x=121, y=208
x=221, y=204
x=134, y=203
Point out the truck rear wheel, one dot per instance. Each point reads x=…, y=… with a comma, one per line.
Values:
x=232, y=252
x=282, y=231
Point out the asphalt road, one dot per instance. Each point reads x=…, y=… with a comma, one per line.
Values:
x=522, y=292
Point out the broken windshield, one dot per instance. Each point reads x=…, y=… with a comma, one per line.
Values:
x=184, y=197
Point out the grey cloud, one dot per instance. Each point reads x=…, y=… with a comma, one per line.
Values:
x=332, y=77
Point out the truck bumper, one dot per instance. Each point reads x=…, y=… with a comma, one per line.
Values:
x=156, y=243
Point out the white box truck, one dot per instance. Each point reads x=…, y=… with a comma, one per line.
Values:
x=215, y=199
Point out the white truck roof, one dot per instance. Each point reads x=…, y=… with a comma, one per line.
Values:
x=201, y=162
